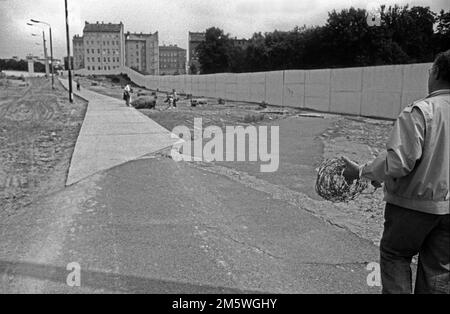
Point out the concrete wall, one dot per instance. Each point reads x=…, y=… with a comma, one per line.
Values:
x=381, y=91
x=318, y=89
x=274, y=87
x=414, y=82
x=346, y=91
x=294, y=88
x=221, y=90
x=257, y=87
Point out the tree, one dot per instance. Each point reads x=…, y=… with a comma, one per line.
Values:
x=20, y=65
x=406, y=35
x=412, y=30
x=193, y=69
x=213, y=52
x=442, y=36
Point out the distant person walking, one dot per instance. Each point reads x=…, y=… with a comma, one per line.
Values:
x=78, y=85
x=169, y=100
x=175, y=97
x=415, y=170
x=127, y=95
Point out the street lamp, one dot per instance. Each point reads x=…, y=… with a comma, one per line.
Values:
x=51, y=48
x=45, y=50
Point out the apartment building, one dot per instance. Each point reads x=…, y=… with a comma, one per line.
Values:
x=194, y=40
x=78, y=52
x=172, y=60
x=142, y=52
x=103, y=47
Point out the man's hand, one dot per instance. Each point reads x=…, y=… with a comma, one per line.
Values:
x=351, y=172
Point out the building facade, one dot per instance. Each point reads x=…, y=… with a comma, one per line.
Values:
x=172, y=60
x=142, y=52
x=103, y=47
x=78, y=52
x=241, y=43
x=194, y=40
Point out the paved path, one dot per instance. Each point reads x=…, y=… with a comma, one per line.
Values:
x=112, y=134
x=156, y=226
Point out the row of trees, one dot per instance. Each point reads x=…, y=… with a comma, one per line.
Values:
x=405, y=35
x=20, y=65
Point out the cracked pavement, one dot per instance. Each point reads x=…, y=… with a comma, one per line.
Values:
x=156, y=226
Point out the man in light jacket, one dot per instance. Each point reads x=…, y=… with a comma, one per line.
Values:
x=415, y=170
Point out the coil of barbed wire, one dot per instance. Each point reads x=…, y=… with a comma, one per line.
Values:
x=332, y=185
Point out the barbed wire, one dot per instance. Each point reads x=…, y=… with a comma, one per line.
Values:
x=332, y=185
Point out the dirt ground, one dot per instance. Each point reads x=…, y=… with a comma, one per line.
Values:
x=38, y=132
x=359, y=138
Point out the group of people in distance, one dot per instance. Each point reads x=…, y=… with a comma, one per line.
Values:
x=171, y=98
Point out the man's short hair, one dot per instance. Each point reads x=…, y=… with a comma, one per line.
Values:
x=442, y=65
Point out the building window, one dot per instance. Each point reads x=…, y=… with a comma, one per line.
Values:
x=89, y=68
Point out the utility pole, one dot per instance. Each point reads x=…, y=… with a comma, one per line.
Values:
x=51, y=58
x=68, y=54
x=45, y=56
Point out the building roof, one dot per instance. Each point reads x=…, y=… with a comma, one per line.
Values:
x=196, y=36
x=102, y=27
x=171, y=47
x=78, y=38
x=140, y=36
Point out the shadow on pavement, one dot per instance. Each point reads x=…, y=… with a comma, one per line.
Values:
x=111, y=282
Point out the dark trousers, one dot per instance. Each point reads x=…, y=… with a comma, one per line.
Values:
x=406, y=234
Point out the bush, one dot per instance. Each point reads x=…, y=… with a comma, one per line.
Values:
x=144, y=102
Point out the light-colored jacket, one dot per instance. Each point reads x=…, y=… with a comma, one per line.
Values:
x=416, y=167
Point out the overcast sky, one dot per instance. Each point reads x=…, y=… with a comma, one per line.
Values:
x=172, y=18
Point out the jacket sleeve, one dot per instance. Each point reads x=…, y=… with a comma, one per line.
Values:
x=403, y=149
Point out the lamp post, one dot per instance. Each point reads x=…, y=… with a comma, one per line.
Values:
x=45, y=50
x=51, y=49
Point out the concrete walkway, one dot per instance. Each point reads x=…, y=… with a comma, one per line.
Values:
x=153, y=225
x=112, y=134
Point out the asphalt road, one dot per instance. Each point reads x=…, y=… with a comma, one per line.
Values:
x=156, y=226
